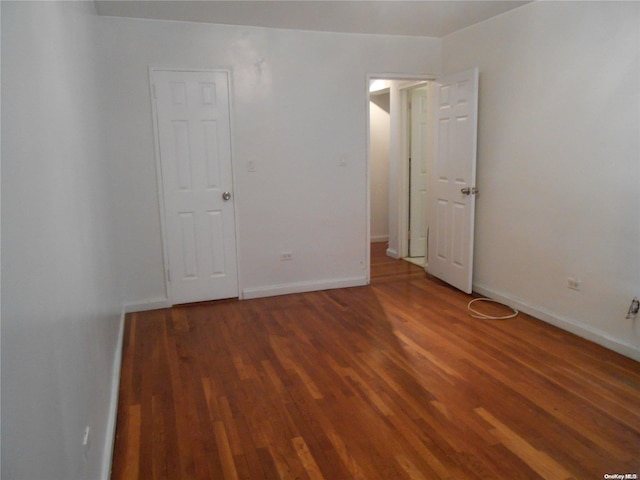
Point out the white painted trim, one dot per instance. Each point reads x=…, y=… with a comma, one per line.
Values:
x=403, y=176
x=416, y=84
x=570, y=325
x=392, y=253
x=367, y=178
x=409, y=77
x=301, y=287
x=149, y=304
x=110, y=435
x=379, y=238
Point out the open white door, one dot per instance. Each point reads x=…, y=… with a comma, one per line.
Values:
x=194, y=140
x=450, y=252
x=418, y=173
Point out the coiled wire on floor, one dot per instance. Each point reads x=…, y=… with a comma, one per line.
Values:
x=476, y=314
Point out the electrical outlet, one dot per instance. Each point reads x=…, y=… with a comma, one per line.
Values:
x=86, y=442
x=574, y=283
x=286, y=256
x=634, y=309
x=251, y=166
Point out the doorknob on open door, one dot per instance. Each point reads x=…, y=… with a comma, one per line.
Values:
x=226, y=196
x=469, y=190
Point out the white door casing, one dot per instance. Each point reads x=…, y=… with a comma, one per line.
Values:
x=452, y=204
x=193, y=128
x=418, y=175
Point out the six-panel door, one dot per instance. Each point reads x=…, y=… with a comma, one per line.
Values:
x=452, y=209
x=194, y=137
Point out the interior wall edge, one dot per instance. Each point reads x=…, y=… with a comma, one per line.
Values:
x=110, y=430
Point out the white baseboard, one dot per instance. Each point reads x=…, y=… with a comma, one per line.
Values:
x=379, y=238
x=392, y=253
x=301, y=287
x=110, y=435
x=584, y=331
x=150, y=304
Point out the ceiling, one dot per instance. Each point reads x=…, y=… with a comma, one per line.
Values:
x=396, y=17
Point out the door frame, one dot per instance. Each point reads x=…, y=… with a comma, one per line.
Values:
x=399, y=167
x=159, y=183
x=405, y=178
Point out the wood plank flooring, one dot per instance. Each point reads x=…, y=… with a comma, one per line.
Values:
x=390, y=381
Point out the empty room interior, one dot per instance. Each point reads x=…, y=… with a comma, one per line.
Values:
x=205, y=211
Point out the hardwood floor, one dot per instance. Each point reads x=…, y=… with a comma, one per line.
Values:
x=390, y=381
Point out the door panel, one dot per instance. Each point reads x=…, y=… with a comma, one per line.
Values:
x=188, y=246
x=194, y=138
x=451, y=250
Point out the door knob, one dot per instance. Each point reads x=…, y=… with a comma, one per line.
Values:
x=226, y=196
x=469, y=190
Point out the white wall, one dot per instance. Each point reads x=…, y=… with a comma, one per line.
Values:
x=299, y=106
x=60, y=301
x=559, y=161
x=380, y=136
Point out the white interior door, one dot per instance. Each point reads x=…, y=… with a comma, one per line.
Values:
x=450, y=255
x=194, y=138
x=418, y=173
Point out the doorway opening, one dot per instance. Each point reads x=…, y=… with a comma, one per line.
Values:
x=398, y=155
x=451, y=143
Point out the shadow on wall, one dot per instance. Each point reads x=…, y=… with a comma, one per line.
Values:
x=382, y=100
